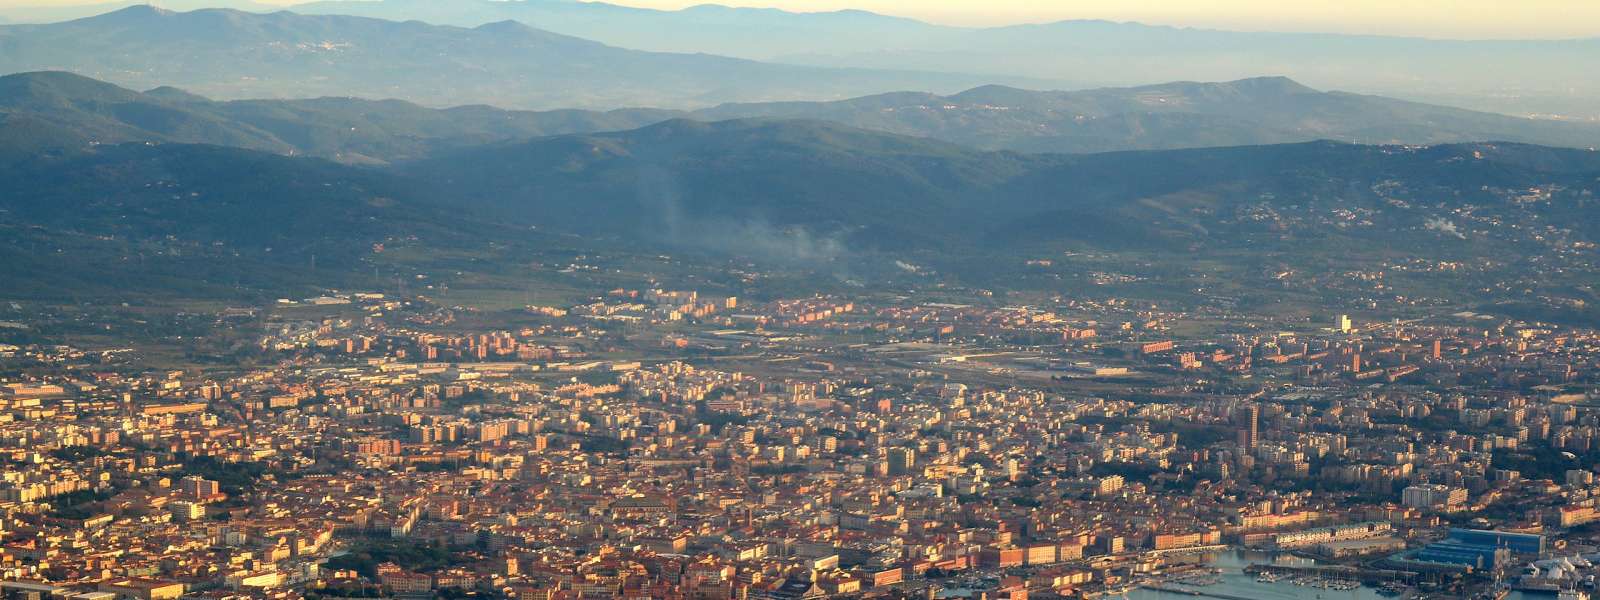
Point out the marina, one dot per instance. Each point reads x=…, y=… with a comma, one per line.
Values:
x=1245, y=575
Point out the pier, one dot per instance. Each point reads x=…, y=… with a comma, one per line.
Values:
x=1336, y=572
x=1195, y=593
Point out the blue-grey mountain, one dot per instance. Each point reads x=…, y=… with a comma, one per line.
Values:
x=234, y=54
x=1530, y=76
x=1169, y=116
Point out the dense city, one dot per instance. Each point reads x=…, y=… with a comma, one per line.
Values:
x=657, y=443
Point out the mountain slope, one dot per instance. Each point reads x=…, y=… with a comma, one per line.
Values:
x=211, y=195
x=1385, y=197
x=729, y=183
x=174, y=220
x=188, y=221
x=233, y=54
x=688, y=181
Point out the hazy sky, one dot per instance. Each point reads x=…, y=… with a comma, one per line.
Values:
x=1434, y=18
x=1430, y=18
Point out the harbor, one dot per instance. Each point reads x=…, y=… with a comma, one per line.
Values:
x=1244, y=575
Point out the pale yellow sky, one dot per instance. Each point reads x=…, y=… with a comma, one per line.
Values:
x=1428, y=18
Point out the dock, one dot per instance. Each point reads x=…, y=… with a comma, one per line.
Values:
x=1195, y=593
x=1369, y=576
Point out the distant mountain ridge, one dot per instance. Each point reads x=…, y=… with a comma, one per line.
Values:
x=1548, y=76
x=343, y=129
x=1261, y=110
x=1533, y=76
x=30, y=12
x=233, y=54
x=1169, y=116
